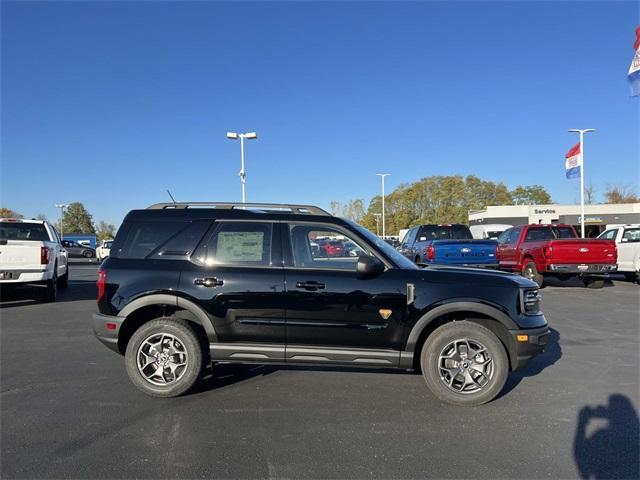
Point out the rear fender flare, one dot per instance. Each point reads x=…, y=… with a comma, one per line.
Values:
x=198, y=315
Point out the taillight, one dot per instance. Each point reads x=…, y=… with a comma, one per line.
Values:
x=431, y=252
x=548, y=251
x=102, y=280
x=45, y=255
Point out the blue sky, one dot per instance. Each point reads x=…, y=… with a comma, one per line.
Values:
x=110, y=103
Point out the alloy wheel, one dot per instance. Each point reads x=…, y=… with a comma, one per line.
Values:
x=465, y=366
x=162, y=359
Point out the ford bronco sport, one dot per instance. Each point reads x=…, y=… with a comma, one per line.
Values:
x=187, y=285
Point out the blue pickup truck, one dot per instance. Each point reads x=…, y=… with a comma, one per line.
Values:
x=448, y=244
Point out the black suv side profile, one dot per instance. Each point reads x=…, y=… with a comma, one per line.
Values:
x=188, y=285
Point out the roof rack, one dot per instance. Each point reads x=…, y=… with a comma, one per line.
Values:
x=277, y=207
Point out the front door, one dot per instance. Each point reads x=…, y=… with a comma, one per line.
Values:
x=507, y=248
x=628, y=249
x=236, y=276
x=330, y=308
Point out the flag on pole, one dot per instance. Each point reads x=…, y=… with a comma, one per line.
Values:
x=634, y=69
x=573, y=162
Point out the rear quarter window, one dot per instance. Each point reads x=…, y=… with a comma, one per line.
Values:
x=139, y=239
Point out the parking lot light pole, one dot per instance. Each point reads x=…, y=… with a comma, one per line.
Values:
x=382, y=175
x=377, y=217
x=61, y=206
x=242, y=174
x=582, y=132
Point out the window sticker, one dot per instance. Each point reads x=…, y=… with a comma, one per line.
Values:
x=240, y=246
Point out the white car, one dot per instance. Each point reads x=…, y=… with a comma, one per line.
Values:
x=103, y=250
x=31, y=254
x=490, y=231
x=627, y=238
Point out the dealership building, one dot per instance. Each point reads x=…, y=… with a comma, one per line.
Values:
x=596, y=216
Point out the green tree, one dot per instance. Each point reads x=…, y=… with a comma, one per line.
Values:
x=532, y=195
x=42, y=216
x=352, y=209
x=77, y=219
x=105, y=231
x=8, y=213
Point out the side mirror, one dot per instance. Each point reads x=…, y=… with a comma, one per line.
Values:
x=368, y=266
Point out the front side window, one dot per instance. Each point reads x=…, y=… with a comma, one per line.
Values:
x=319, y=246
x=245, y=244
x=504, y=236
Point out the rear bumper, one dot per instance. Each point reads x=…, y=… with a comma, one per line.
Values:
x=25, y=276
x=528, y=348
x=106, y=329
x=581, y=268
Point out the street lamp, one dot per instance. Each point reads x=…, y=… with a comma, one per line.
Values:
x=242, y=174
x=61, y=206
x=382, y=175
x=377, y=218
x=582, y=132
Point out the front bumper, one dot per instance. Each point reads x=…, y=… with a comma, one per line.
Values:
x=581, y=268
x=525, y=350
x=106, y=329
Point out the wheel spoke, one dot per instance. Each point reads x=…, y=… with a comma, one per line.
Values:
x=162, y=359
x=459, y=369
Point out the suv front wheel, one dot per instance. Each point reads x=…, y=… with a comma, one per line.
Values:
x=164, y=357
x=464, y=363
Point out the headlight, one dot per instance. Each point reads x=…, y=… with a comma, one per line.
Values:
x=530, y=301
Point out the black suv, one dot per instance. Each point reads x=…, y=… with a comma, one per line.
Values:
x=191, y=284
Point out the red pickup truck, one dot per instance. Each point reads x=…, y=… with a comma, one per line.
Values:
x=539, y=251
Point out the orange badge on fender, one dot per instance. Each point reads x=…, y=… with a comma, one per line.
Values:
x=385, y=313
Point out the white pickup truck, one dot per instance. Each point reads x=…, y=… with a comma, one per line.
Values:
x=627, y=238
x=31, y=254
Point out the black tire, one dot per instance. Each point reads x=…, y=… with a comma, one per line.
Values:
x=51, y=291
x=87, y=254
x=189, y=342
x=530, y=271
x=417, y=260
x=63, y=281
x=476, y=335
x=593, y=282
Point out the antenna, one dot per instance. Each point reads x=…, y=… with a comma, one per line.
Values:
x=174, y=200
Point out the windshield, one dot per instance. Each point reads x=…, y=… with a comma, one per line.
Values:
x=400, y=260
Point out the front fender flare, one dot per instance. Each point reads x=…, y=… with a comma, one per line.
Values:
x=453, y=307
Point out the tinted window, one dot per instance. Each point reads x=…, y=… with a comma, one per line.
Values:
x=23, y=231
x=539, y=233
x=444, y=232
x=237, y=243
x=563, y=232
x=142, y=238
x=609, y=234
x=631, y=235
x=515, y=235
x=395, y=256
x=410, y=236
x=182, y=244
x=341, y=252
x=460, y=232
x=504, y=236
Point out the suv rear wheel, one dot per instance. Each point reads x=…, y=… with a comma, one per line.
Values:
x=164, y=357
x=464, y=363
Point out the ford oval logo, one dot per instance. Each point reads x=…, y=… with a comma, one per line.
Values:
x=583, y=250
x=465, y=250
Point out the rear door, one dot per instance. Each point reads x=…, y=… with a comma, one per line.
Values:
x=236, y=276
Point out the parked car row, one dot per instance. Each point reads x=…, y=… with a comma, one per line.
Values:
x=536, y=251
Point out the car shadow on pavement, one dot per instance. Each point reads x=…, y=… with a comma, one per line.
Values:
x=30, y=295
x=552, y=353
x=607, y=440
x=573, y=282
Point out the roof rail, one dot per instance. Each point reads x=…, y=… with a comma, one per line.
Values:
x=279, y=207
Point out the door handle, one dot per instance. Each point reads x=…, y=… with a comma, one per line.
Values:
x=310, y=285
x=208, y=282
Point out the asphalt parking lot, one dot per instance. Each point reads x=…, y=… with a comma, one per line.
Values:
x=68, y=409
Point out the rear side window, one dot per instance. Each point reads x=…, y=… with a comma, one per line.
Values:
x=142, y=238
x=237, y=244
x=181, y=245
x=539, y=233
x=631, y=235
x=23, y=231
